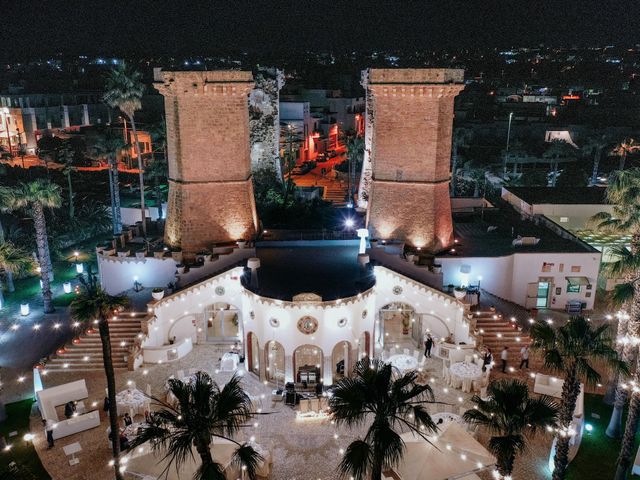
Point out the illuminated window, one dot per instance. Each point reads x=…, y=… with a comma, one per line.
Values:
x=576, y=268
x=573, y=288
x=564, y=219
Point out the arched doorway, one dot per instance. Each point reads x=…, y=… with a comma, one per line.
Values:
x=223, y=322
x=274, y=358
x=253, y=353
x=341, y=362
x=307, y=364
x=397, y=326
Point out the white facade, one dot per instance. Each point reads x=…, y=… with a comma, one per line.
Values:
x=512, y=277
x=351, y=324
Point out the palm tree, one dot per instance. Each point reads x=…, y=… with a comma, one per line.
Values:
x=108, y=145
x=123, y=90
x=4, y=205
x=158, y=169
x=375, y=392
x=595, y=146
x=68, y=168
x=571, y=351
x=622, y=149
x=623, y=193
x=13, y=260
x=203, y=411
x=93, y=303
x=558, y=150
x=511, y=416
x=36, y=196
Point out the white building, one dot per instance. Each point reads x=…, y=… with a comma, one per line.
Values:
x=282, y=338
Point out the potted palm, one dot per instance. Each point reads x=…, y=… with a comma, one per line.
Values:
x=460, y=292
x=176, y=254
x=242, y=243
x=436, y=268
x=180, y=268
x=157, y=293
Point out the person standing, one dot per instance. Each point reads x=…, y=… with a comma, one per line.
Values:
x=487, y=359
x=48, y=429
x=504, y=356
x=524, y=357
x=428, y=345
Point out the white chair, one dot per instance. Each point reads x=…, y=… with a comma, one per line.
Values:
x=180, y=374
x=456, y=382
x=466, y=385
x=406, y=351
x=446, y=377
x=483, y=393
x=392, y=351
x=148, y=390
x=304, y=406
x=461, y=410
x=468, y=359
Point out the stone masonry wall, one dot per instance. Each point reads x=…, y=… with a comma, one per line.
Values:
x=210, y=190
x=410, y=151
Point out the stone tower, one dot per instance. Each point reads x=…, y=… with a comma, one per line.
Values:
x=210, y=190
x=410, y=154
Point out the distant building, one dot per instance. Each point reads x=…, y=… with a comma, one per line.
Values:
x=24, y=118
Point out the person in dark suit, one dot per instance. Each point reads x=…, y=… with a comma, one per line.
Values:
x=127, y=419
x=428, y=345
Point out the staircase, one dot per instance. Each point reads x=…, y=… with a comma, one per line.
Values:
x=335, y=193
x=498, y=332
x=84, y=353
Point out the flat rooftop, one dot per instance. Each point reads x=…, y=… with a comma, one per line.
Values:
x=493, y=236
x=560, y=196
x=326, y=268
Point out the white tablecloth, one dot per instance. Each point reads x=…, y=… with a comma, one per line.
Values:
x=131, y=432
x=403, y=362
x=130, y=399
x=467, y=373
x=229, y=362
x=447, y=418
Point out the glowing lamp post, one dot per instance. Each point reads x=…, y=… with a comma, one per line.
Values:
x=362, y=233
x=24, y=309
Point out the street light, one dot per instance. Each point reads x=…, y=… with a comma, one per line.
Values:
x=349, y=223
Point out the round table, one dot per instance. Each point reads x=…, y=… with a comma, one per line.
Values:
x=443, y=419
x=130, y=400
x=403, y=362
x=467, y=373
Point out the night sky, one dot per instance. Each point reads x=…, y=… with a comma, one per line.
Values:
x=35, y=28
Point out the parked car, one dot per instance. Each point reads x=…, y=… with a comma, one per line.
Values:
x=332, y=153
x=321, y=157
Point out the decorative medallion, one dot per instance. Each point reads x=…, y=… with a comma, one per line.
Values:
x=397, y=290
x=364, y=314
x=219, y=290
x=342, y=322
x=308, y=325
x=274, y=322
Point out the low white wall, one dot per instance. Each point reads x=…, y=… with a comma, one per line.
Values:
x=167, y=353
x=132, y=215
x=117, y=274
x=49, y=398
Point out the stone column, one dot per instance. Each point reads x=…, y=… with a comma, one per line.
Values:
x=327, y=371
x=85, y=114
x=210, y=188
x=411, y=150
x=65, y=117
x=288, y=369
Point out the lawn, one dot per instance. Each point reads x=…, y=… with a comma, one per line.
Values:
x=22, y=453
x=596, y=458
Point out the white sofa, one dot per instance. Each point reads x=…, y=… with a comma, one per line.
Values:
x=552, y=386
x=76, y=424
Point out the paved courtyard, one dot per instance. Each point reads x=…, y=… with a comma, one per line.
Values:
x=301, y=450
